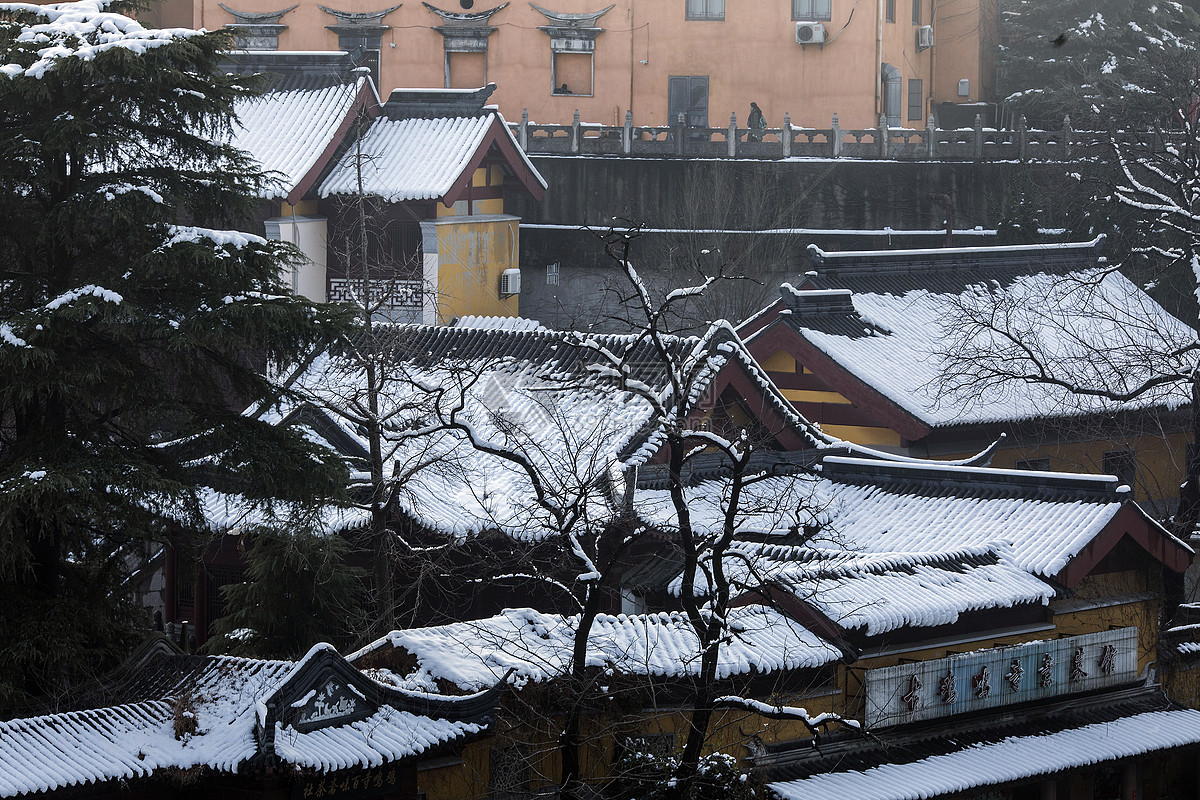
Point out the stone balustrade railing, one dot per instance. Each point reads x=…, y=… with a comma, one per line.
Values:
x=930, y=143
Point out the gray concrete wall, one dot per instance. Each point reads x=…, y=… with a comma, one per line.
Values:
x=756, y=219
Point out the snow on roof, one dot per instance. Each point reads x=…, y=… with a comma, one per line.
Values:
x=1012, y=759
x=878, y=593
x=226, y=696
x=82, y=30
x=864, y=509
x=893, y=337
x=475, y=655
x=528, y=392
x=410, y=159
x=387, y=735
x=498, y=323
x=135, y=739
x=1028, y=251
x=288, y=128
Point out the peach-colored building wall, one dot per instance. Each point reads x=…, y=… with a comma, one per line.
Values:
x=751, y=54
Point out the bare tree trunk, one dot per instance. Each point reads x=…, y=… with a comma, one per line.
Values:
x=570, y=785
x=380, y=535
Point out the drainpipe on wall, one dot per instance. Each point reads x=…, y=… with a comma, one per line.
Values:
x=932, y=56
x=878, y=58
x=632, y=58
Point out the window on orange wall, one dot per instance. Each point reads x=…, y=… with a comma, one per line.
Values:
x=820, y=10
x=916, y=99
x=706, y=9
x=890, y=11
x=466, y=70
x=916, y=12
x=571, y=73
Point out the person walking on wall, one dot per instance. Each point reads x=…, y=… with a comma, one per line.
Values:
x=757, y=124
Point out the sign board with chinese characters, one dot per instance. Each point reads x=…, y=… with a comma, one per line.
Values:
x=1001, y=676
x=332, y=702
x=388, y=779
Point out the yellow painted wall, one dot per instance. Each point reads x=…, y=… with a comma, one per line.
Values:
x=1160, y=460
x=750, y=55
x=784, y=362
x=472, y=253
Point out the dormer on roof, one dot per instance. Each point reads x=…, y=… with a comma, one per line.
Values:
x=816, y=301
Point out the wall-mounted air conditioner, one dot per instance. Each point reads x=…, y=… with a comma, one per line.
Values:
x=810, y=33
x=924, y=37
x=510, y=282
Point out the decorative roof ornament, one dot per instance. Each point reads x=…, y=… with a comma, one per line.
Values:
x=257, y=30
x=465, y=18
x=465, y=32
x=572, y=33
x=563, y=20
x=359, y=19
x=257, y=17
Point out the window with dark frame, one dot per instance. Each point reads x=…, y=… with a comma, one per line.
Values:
x=1122, y=463
x=1034, y=464
x=916, y=12
x=810, y=10
x=706, y=9
x=916, y=100
x=889, y=13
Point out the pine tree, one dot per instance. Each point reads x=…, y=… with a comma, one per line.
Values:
x=1075, y=57
x=299, y=590
x=134, y=326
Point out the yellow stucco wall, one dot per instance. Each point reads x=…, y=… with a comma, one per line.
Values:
x=749, y=55
x=783, y=362
x=472, y=253
x=1160, y=460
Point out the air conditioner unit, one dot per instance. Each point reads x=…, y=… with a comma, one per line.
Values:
x=810, y=33
x=924, y=37
x=510, y=282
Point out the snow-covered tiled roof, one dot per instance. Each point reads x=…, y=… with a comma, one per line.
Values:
x=537, y=647
x=228, y=698
x=878, y=593
x=877, y=546
x=527, y=391
x=879, y=509
x=289, y=128
x=416, y=158
x=389, y=734
x=1015, y=758
x=891, y=336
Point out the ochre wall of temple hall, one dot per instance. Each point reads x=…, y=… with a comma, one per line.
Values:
x=1160, y=460
x=819, y=403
